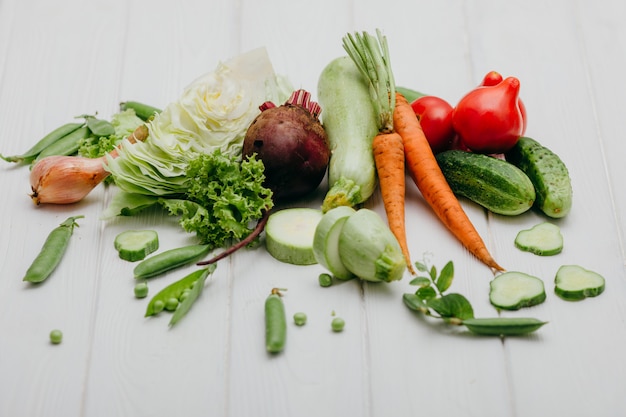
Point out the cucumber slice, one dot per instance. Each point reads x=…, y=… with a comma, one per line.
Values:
x=289, y=235
x=135, y=245
x=573, y=283
x=326, y=241
x=543, y=239
x=514, y=290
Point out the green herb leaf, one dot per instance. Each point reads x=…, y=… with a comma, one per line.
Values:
x=420, y=281
x=413, y=302
x=445, y=277
x=452, y=305
x=421, y=266
x=99, y=127
x=426, y=293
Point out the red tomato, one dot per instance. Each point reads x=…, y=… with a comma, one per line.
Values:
x=488, y=119
x=435, y=116
x=494, y=78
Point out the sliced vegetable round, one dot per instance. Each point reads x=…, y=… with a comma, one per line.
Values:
x=326, y=241
x=573, y=283
x=289, y=235
x=513, y=290
x=543, y=239
x=135, y=245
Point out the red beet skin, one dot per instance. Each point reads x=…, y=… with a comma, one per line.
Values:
x=294, y=148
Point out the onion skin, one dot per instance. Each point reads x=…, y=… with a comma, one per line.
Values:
x=65, y=179
x=293, y=146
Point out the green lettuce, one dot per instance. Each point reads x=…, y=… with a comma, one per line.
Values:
x=213, y=113
x=224, y=200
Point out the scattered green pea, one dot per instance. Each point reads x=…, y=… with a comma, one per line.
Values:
x=141, y=290
x=171, y=304
x=300, y=319
x=56, y=336
x=337, y=324
x=325, y=280
x=157, y=306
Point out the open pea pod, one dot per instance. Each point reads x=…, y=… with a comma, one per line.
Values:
x=176, y=289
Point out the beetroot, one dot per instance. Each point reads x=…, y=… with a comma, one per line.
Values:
x=292, y=143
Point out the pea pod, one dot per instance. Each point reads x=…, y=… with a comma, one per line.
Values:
x=143, y=111
x=503, y=326
x=67, y=145
x=52, y=251
x=168, y=260
x=176, y=289
x=43, y=143
x=275, y=322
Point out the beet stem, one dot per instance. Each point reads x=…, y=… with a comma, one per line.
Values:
x=260, y=226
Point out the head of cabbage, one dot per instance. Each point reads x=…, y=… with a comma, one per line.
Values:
x=214, y=112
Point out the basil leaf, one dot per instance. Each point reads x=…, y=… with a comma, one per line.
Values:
x=420, y=281
x=445, y=277
x=452, y=305
x=426, y=293
x=413, y=302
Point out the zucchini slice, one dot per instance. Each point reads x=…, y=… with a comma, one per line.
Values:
x=543, y=239
x=573, y=283
x=289, y=235
x=513, y=290
x=135, y=245
x=326, y=241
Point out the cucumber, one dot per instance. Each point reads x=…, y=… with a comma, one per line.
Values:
x=573, y=283
x=495, y=184
x=135, y=245
x=326, y=241
x=289, y=235
x=513, y=290
x=350, y=121
x=548, y=174
x=543, y=239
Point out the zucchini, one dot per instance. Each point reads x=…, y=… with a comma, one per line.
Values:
x=289, y=235
x=543, y=239
x=548, y=174
x=369, y=250
x=573, y=283
x=514, y=290
x=495, y=184
x=326, y=241
x=350, y=121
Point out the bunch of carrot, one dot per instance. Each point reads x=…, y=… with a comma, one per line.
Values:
x=408, y=142
x=401, y=139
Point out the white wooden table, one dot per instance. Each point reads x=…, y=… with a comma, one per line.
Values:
x=66, y=58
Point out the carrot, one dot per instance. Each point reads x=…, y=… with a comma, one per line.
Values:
x=389, y=157
x=427, y=175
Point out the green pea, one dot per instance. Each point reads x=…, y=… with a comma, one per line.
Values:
x=300, y=319
x=168, y=260
x=143, y=111
x=337, y=324
x=141, y=290
x=275, y=323
x=67, y=145
x=157, y=307
x=184, y=294
x=43, y=143
x=171, y=304
x=325, y=280
x=56, y=336
x=175, y=289
x=52, y=251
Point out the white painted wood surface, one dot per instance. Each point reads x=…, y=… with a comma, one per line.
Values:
x=65, y=58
